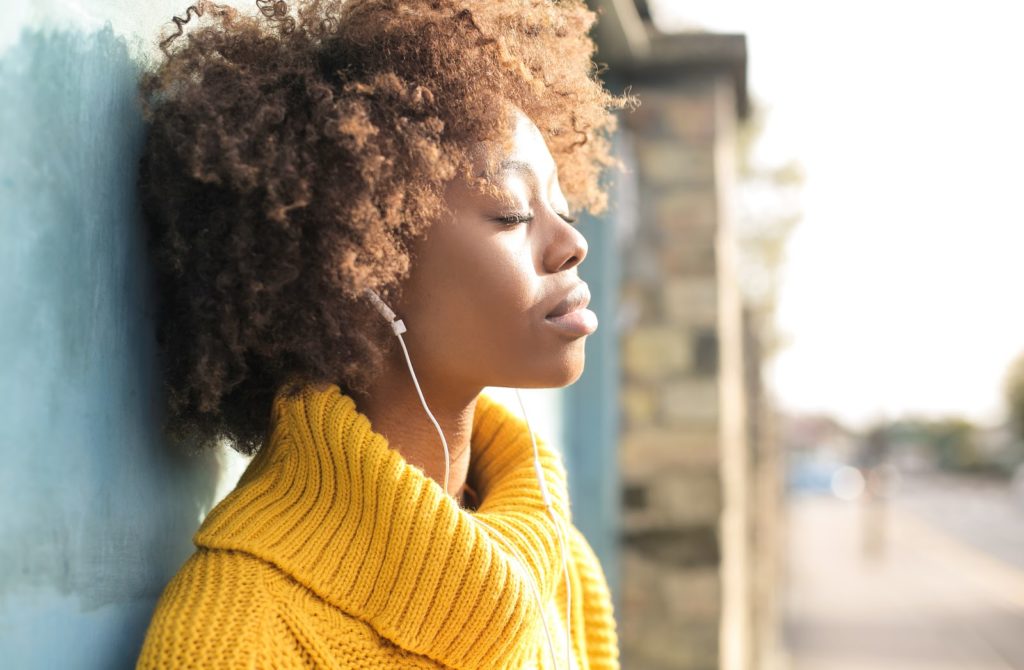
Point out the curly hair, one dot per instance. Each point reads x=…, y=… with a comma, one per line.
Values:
x=290, y=162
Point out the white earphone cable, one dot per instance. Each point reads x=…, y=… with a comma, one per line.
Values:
x=444, y=442
x=558, y=526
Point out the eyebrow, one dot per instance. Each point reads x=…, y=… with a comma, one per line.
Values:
x=513, y=165
x=518, y=166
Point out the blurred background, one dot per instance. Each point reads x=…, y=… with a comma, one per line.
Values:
x=820, y=367
x=799, y=438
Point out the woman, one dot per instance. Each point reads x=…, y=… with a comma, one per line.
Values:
x=323, y=190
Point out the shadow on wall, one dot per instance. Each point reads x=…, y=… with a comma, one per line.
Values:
x=96, y=509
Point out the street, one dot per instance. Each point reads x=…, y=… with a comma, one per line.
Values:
x=934, y=579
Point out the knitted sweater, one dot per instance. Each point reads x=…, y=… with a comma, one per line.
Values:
x=334, y=552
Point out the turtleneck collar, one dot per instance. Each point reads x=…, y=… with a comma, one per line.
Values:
x=328, y=502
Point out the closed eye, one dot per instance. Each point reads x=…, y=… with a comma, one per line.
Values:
x=513, y=219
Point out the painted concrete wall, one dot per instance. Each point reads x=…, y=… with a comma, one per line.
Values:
x=96, y=511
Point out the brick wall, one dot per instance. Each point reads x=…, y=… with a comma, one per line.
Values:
x=687, y=521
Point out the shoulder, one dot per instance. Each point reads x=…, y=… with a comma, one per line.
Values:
x=586, y=560
x=595, y=600
x=211, y=614
x=228, y=609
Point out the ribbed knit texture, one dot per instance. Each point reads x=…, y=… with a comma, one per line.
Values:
x=334, y=552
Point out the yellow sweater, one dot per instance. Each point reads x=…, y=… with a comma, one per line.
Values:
x=334, y=552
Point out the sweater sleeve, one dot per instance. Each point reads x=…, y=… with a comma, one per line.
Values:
x=210, y=615
x=598, y=616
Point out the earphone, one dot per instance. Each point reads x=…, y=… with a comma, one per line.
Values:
x=398, y=327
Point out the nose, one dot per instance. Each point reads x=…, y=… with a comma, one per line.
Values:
x=567, y=246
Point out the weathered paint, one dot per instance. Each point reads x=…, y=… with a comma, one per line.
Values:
x=96, y=509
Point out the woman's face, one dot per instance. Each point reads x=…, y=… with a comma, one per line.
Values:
x=480, y=290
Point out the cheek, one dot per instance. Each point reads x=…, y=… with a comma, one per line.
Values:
x=479, y=303
x=476, y=289
x=501, y=289
x=514, y=347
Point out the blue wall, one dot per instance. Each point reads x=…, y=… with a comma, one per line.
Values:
x=591, y=422
x=96, y=512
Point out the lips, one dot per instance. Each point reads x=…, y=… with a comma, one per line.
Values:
x=577, y=298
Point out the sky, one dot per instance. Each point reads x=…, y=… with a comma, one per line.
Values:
x=903, y=289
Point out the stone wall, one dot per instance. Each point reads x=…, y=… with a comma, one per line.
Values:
x=689, y=583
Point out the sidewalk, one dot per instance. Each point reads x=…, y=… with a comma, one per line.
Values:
x=912, y=597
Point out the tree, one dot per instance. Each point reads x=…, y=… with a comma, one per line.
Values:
x=1013, y=390
x=769, y=209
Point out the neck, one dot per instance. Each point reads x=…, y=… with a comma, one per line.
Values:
x=395, y=411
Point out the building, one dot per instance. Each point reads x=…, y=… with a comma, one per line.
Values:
x=699, y=472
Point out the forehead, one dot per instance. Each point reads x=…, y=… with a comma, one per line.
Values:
x=527, y=155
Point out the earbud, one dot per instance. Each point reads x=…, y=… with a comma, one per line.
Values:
x=398, y=326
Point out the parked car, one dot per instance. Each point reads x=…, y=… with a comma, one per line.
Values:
x=823, y=476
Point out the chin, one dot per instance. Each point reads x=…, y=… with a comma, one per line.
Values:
x=557, y=373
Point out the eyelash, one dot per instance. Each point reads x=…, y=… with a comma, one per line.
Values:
x=515, y=219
